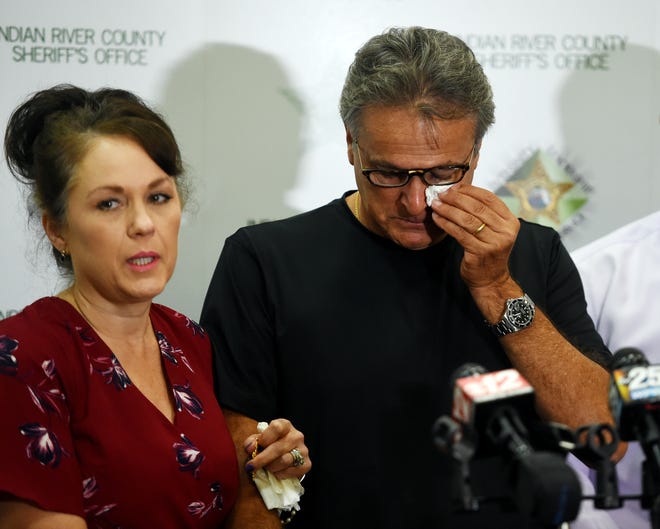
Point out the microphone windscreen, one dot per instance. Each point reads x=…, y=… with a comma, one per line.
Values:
x=547, y=489
x=628, y=356
x=466, y=370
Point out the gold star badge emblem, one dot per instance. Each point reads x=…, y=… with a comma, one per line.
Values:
x=541, y=191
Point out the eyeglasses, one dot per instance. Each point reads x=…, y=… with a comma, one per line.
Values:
x=442, y=175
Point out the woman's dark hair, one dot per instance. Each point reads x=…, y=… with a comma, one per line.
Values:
x=50, y=133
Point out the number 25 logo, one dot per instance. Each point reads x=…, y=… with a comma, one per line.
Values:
x=642, y=377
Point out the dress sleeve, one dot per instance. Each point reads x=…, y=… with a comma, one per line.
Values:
x=38, y=460
x=239, y=319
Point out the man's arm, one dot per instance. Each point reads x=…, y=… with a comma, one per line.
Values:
x=19, y=514
x=570, y=388
x=275, y=445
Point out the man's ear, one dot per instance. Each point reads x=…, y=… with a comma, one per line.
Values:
x=54, y=232
x=349, y=146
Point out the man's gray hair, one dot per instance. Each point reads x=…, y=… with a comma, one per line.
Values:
x=429, y=70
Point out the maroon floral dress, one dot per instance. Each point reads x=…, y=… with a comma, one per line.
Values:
x=76, y=436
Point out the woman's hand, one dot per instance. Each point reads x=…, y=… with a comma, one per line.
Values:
x=280, y=449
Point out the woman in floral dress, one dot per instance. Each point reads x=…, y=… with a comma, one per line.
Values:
x=109, y=418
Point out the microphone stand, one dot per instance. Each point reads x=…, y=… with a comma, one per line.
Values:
x=458, y=442
x=597, y=443
x=545, y=488
x=648, y=434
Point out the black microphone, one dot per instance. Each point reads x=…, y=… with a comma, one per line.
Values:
x=498, y=408
x=635, y=396
x=635, y=404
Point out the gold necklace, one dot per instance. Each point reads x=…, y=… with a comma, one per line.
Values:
x=357, y=207
x=79, y=309
x=94, y=328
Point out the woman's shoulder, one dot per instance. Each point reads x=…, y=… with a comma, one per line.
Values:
x=178, y=321
x=176, y=325
x=39, y=336
x=43, y=317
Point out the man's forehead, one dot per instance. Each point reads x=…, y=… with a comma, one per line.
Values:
x=408, y=125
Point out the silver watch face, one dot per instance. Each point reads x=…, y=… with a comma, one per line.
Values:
x=520, y=313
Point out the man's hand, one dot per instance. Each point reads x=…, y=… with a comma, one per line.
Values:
x=486, y=229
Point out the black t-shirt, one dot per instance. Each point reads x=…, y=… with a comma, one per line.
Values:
x=354, y=339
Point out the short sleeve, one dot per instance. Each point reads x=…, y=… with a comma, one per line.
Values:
x=38, y=461
x=237, y=314
x=544, y=268
x=567, y=306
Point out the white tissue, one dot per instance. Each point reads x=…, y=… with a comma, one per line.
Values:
x=432, y=192
x=282, y=494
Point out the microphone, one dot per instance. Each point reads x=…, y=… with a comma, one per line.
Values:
x=497, y=410
x=493, y=405
x=635, y=395
x=451, y=438
x=635, y=404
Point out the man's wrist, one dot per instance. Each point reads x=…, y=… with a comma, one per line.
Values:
x=491, y=299
x=518, y=314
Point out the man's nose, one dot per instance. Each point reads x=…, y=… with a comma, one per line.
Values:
x=415, y=193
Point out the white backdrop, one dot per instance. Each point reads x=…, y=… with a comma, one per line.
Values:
x=251, y=89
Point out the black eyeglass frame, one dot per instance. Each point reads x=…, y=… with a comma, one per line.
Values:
x=409, y=173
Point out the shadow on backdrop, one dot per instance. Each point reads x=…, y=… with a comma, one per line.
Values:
x=609, y=124
x=238, y=122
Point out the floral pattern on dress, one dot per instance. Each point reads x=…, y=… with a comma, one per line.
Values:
x=8, y=362
x=43, y=437
x=43, y=445
x=201, y=509
x=47, y=399
x=90, y=487
x=111, y=369
x=196, y=328
x=188, y=456
x=86, y=335
x=184, y=398
x=170, y=352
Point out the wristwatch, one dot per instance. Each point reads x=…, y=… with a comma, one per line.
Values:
x=518, y=314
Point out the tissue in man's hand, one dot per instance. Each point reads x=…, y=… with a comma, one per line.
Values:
x=432, y=192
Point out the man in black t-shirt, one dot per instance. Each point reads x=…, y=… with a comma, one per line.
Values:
x=350, y=319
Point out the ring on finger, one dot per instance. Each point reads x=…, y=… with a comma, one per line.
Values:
x=481, y=227
x=298, y=459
